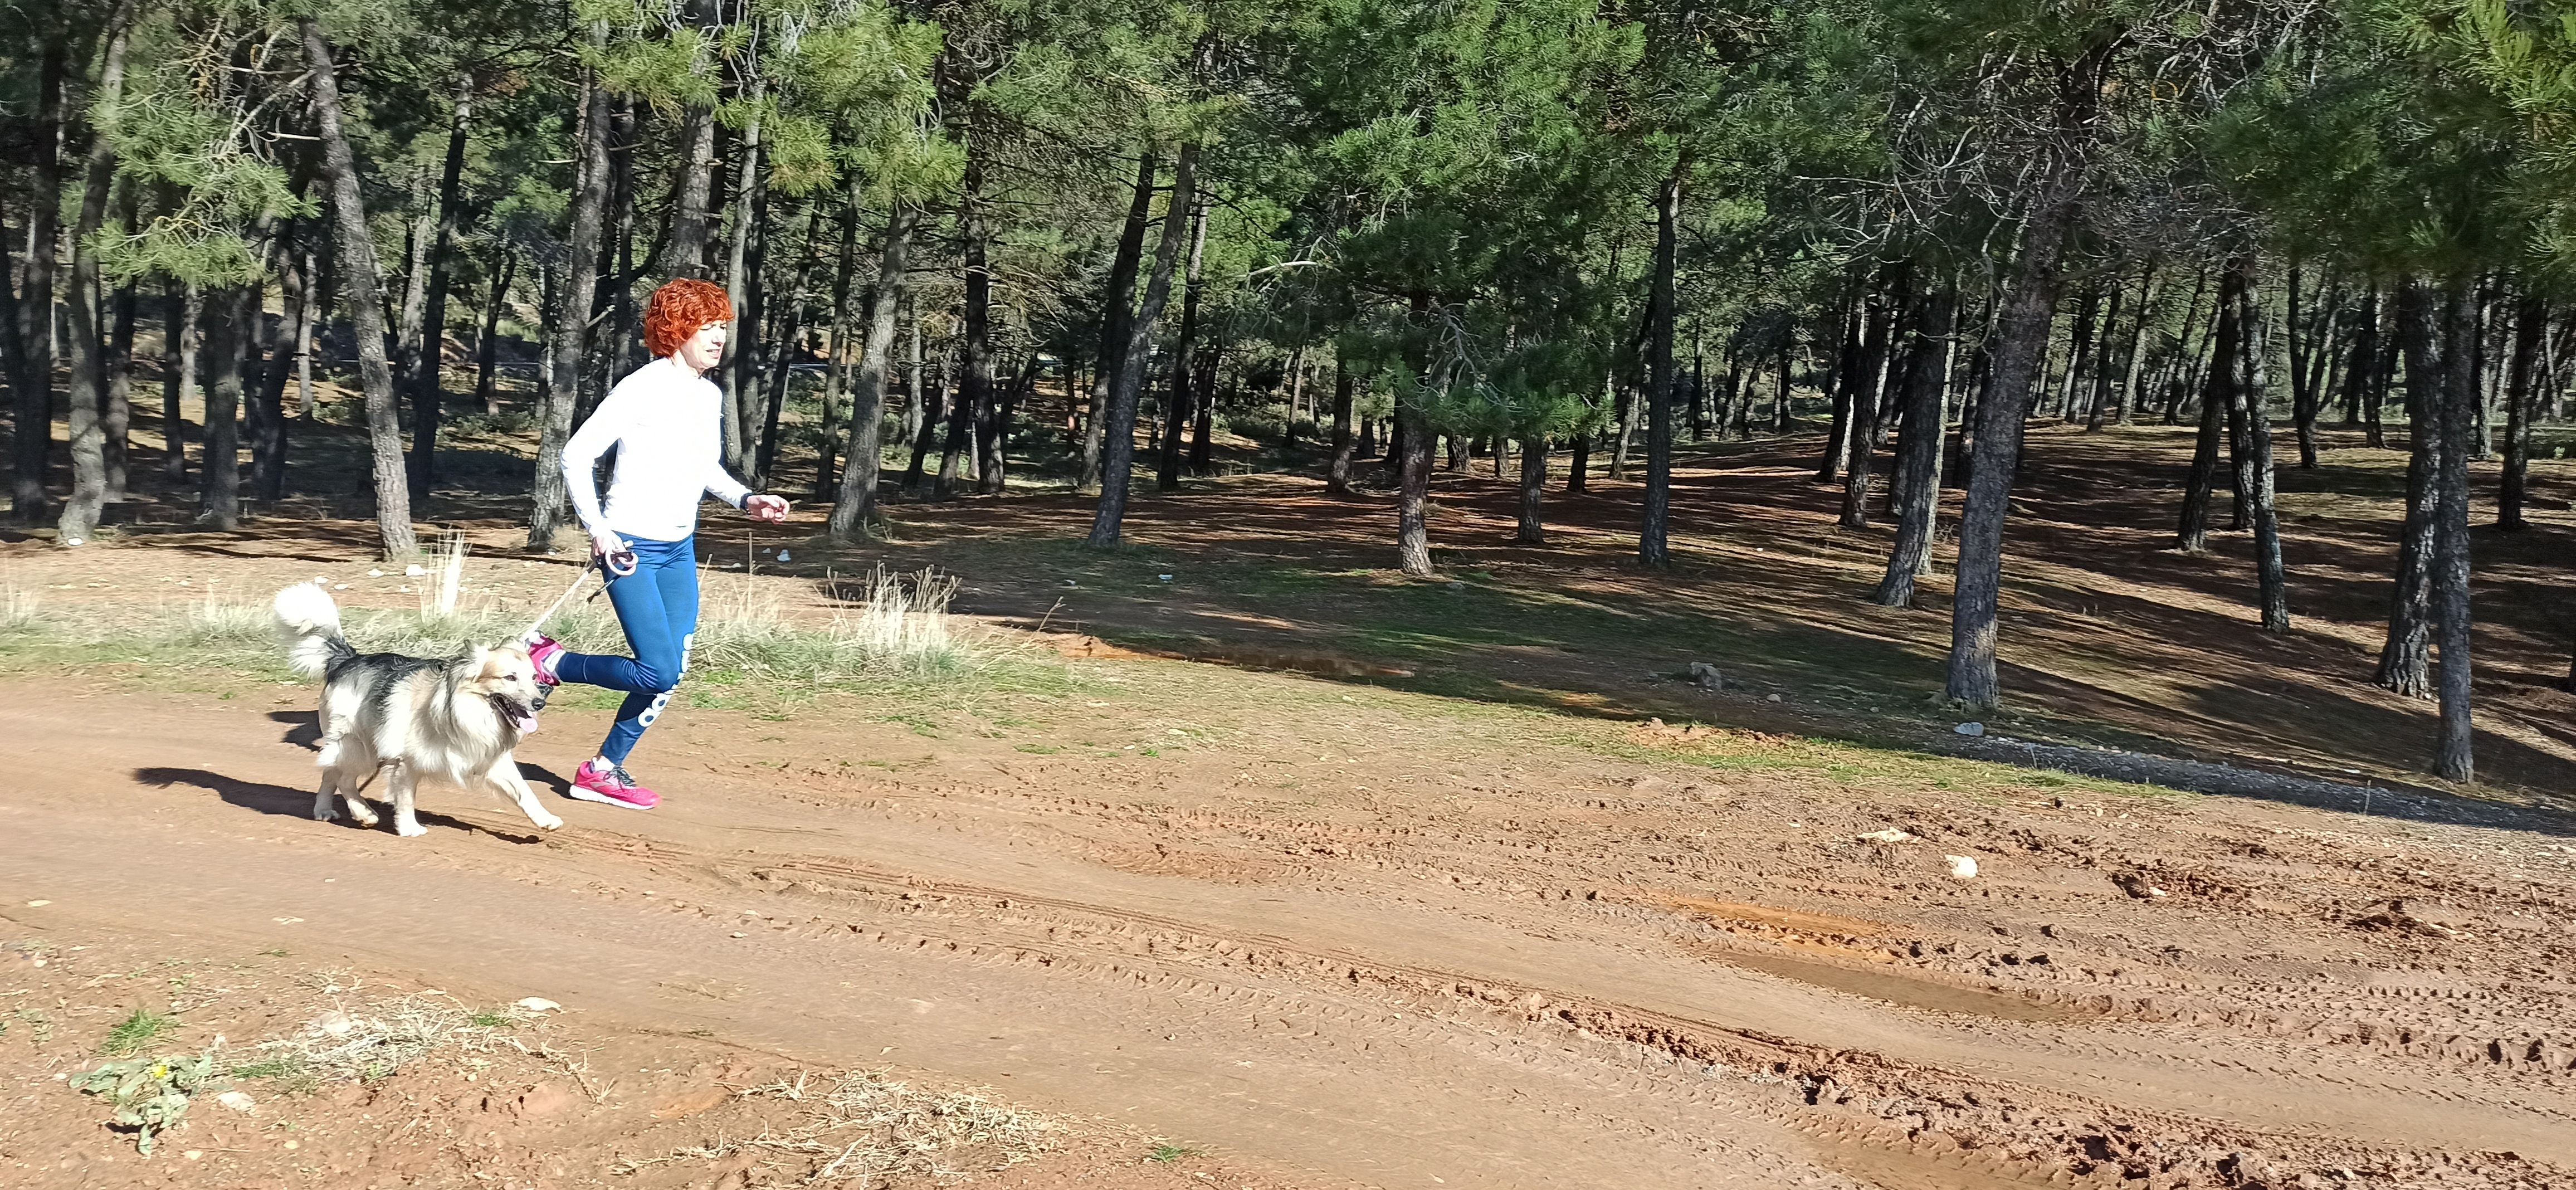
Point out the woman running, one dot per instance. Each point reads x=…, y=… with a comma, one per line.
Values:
x=666, y=422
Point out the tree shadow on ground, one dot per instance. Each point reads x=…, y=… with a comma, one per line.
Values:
x=2108, y=634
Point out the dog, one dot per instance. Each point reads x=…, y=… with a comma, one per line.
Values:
x=459, y=717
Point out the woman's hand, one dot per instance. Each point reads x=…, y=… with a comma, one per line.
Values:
x=767, y=508
x=609, y=547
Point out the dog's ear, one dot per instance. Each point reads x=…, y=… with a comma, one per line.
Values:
x=486, y=669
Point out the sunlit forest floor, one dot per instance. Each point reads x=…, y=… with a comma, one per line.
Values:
x=2110, y=636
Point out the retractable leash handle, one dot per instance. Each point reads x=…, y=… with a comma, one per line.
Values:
x=619, y=564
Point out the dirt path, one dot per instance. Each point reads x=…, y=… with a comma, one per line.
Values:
x=1368, y=938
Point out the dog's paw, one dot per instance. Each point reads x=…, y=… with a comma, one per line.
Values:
x=362, y=814
x=325, y=813
x=547, y=823
x=410, y=829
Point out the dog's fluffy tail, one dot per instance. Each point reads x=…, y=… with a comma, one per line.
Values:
x=310, y=622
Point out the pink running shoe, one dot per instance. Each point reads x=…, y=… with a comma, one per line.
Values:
x=611, y=786
x=543, y=650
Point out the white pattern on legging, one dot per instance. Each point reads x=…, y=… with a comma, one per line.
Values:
x=663, y=699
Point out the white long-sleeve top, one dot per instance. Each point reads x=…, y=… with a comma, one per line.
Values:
x=667, y=424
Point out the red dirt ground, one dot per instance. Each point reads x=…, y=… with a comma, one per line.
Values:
x=1440, y=907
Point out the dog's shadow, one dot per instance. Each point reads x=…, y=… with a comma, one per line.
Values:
x=298, y=803
x=306, y=732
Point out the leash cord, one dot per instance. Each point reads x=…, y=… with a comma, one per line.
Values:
x=557, y=605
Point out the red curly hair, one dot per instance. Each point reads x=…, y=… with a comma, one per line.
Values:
x=678, y=309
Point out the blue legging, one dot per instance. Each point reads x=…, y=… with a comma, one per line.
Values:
x=658, y=607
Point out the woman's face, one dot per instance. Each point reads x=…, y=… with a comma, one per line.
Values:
x=704, y=349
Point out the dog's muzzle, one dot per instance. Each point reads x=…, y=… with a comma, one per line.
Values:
x=521, y=717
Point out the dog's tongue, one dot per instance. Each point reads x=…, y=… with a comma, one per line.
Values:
x=525, y=722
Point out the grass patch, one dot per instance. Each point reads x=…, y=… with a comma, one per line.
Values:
x=372, y=1041
x=267, y=1068
x=866, y=1129
x=1170, y=1153
x=895, y=636
x=135, y=1032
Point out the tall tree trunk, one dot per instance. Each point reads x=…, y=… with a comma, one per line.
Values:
x=427, y=391
x=1119, y=453
x=2531, y=326
x=1203, y=411
x=268, y=403
x=836, y=377
x=1533, y=490
x=1916, y=487
x=918, y=410
x=1338, y=480
x=412, y=312
x=314, y=315
x=2215, y=401
x=2303, y=383
x=88, y=398
x=742, y=278
x=1838, y=431
x=2405, y=664
x=2022, y=340
x=2382, y=373
x=1861, y=426
x=1413, y=489
x=2481, y=298
x=1177, y=411
x=31, y=353
x=358, y=252
x=857, y=505
x=228, y=311
x=933, y=404
x=785, y=330
x=1117, y=313
x=1699, y=411
x=2079, y=350
x=1623, y=430
x=1781, y=406
x=752, y=349
x=2364, y=356
x=974, y=224
x=1652, y=548
x=995, y=431
x=2135, y=357
x=961, y=422
x=2096, y=403
x=2187, y=351
x=2455, y=411
x=2247, y=397
x=118, y=417
x=573, y=308
x=182, y=309
x=684, y=252
x=1734, y=401
x=1578, y=470
x=617, y=290
x=487, y=346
